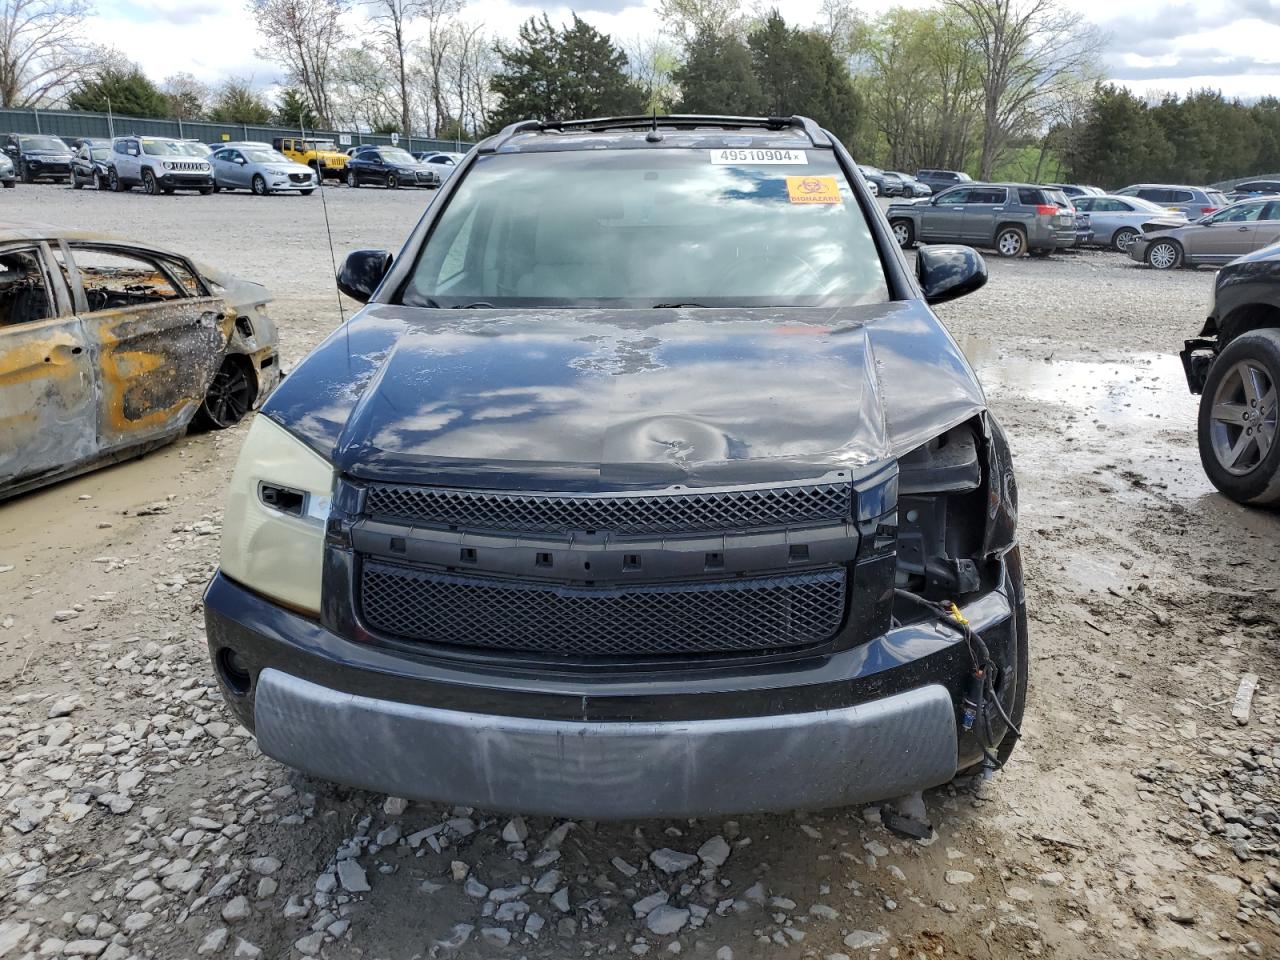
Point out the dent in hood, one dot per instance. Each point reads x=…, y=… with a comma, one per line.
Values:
x=584, y=399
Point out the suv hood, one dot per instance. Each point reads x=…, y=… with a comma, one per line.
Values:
x=596, y=399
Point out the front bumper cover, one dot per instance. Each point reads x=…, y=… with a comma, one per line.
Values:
x=874, y=721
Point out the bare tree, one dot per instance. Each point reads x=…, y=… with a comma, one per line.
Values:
x=685, y=19
x=1030, y=49
x=361, y=92
x=470, y=62
x=392, y=22
x=305, y=37
x=440, y=36
x=651, y=61
x=42, y=50
x=188, y=97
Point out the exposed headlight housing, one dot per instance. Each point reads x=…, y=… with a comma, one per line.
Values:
x=273, y=529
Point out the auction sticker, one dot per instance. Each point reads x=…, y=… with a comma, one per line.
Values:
x=813, y=190
x=743, y=156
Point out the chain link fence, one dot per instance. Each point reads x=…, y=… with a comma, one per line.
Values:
x=73, y=123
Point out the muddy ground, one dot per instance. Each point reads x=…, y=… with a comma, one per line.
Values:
x=1138, y=819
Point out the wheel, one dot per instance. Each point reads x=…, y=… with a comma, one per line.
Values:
x=75, y=183
x=307, y=193
x=205, y=191
x=393, y=182
x=259, y=185
x=230, y=396
x=352, y=179
x=1022, y=672
x=908, y=192
x=1011, y=242
x=114, y=181
x=101, y=182
x=26, y=174
x=10, y=184
x=1239, y=443
x=216, y=187
x=1123, y=239
x=1164, y=255
x=904, y=232
x=150, y=185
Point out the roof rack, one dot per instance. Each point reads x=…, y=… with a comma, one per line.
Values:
x=817, y=136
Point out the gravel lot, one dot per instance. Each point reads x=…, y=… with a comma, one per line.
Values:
x=1138, y=819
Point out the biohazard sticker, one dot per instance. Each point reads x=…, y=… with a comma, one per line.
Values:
x=813, y=190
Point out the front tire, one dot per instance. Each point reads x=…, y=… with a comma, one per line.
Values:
x=352, y=180
x=75, y=183
x=150, y=186
x=114, y=180
x=100, y=182
x=904, y=232
x=1123, y=239
x=1011, y=242
x=1164, y=255
x=230, y=396
x=1237, y=427
x=393, y=182
x=27, y=176
x=259, y=185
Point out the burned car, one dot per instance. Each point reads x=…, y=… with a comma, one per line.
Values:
x=109, y=349
x=664, y=495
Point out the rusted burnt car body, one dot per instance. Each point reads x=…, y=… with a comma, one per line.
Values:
x=109, y=349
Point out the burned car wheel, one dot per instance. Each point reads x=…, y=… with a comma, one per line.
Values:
x=230, y=396
x=1238, y=436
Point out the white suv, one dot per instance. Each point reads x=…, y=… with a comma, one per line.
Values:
x=159, y=165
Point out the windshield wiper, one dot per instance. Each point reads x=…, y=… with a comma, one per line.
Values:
x=672, y=306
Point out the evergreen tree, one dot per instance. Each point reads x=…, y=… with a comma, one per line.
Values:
x=237, y=102
x=1120, y=143
x=293, y=108
x=568, y=73
x=125, y=90
x=717, y=77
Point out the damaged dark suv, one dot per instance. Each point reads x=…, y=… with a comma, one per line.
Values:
x=647, y=484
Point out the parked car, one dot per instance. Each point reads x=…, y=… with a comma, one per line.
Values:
x=1234, y=365
x=38, y=156
x=113, y=348
x=91, y=165
x=1014, y=218
x=391, y=167
x=443, y=161
x=8, y=175
x=1219, y=238
x=910, y=186
x=1194, y=202
x=257, y=167
x=197, y=149
x=158, y=165
x=320, y=154
x=492, y=555
x=1073, y=190
x=874, y=177
x=1254, y=188
x=1118, y=221
x=939, y=180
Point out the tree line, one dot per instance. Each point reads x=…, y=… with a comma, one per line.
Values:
x=998, y=88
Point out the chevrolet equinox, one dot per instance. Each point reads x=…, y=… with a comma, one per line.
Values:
x=647, y=483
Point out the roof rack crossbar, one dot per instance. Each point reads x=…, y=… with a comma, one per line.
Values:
x=810, y=128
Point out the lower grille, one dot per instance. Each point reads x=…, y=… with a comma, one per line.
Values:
x=752, y=615
x=300, y=177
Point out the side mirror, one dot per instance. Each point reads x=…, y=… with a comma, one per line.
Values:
x=947, y=271
x=361, y=273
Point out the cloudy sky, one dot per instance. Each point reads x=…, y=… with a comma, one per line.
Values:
x=1162, y=45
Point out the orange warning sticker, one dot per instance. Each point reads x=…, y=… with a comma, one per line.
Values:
x=813, y=190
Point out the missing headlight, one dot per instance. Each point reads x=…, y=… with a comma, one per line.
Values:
x=941, y=516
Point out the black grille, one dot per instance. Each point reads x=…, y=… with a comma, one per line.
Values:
x=648, y=513
x=300, y=177
x=737, y=616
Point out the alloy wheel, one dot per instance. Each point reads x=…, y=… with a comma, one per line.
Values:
x=259, y=185
x=1243, y=419
x=1009, y=243
x=149, y=184
x=901, y=234
x=230, y=396
x=1163, y=256
x=1124, y=240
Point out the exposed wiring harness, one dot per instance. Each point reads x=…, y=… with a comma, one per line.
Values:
x=980, y=699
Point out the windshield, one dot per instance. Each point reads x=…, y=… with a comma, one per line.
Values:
x=44, y=143
x=99, y=153
x=651, y=227
x=266, y=156
x=164, y=148
x=322, y=145
x=396, y=155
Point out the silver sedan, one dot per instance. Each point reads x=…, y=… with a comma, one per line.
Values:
x=1118, y=221
x=258, y=167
